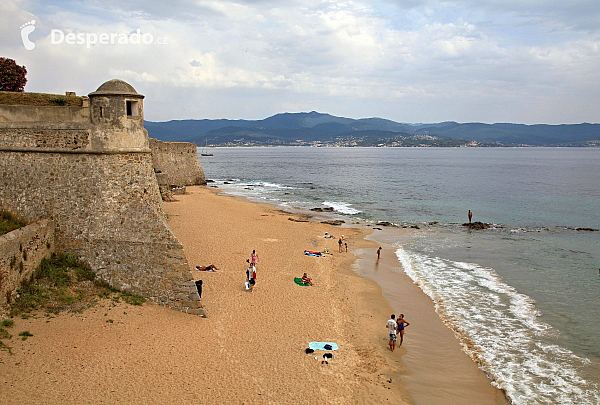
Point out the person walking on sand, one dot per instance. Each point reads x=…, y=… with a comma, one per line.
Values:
x=254, y=258
x=379, y=253
x=470, y=216
x=251, y=276
x=340, y=244
x=391, y=325
x=401, y=323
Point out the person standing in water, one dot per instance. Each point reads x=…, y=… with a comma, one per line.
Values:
x=401, y=322
x=470, y=216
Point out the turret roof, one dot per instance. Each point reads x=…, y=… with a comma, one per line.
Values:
x=116, y=87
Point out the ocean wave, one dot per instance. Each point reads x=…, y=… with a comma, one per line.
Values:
x=341, y=207
x=499, y=328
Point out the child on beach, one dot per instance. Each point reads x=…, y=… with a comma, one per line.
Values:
x=254, y=258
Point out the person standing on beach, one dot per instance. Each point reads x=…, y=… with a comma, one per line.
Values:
x=391, y=325
x=401, y=323
x=379, y=253
x=254, y=258
x=470, y=216
x=346, y=246
x=340, y=244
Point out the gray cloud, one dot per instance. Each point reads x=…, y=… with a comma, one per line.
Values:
x=431, y=61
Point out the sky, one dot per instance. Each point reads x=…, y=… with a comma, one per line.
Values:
x=415, y=61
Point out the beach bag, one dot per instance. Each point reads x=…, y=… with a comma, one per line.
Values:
x=327, y=347
x=247, y=285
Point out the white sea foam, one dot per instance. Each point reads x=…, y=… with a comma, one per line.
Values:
x=499, y=328
x=341, y=207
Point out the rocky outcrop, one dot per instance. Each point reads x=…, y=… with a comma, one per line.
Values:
x=476, y=225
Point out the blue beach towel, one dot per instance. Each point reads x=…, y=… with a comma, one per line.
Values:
x=321, y=345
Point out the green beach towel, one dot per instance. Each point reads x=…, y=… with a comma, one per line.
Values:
x=298, y=280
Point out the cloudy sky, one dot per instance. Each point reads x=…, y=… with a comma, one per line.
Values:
x=525, y=61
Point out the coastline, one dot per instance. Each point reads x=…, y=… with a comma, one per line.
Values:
x=440, y=372
x=250, y=348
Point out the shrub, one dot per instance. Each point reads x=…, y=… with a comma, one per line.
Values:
x=12, y=76
x=58, y=101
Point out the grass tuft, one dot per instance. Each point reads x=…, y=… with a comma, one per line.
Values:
x=8, y=323
x=9, y=222
x=63, y=282
x=4, y=334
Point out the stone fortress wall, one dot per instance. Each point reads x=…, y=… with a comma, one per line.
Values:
x=90, y=170
x=170, y=157
x=21, y=251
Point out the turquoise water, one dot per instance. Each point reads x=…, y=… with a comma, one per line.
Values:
x=522, y=296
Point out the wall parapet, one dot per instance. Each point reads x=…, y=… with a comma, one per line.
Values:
x=21, y=252
x=46, y=114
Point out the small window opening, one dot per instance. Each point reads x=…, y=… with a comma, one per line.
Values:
x=132, y=109
x=101, y=112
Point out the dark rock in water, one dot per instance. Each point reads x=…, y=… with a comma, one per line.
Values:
x=336, y=222
x=384, y=223
x=319, y=209
x=433, y=223
x=476, y=225
x=210, y=181
x=414, y=227
x=226, y=182
x=586, y=229
x=286, y=193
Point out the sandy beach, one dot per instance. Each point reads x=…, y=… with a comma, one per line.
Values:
x=250, y=348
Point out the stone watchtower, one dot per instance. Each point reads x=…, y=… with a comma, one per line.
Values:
x=117, y=116
x=90, y=170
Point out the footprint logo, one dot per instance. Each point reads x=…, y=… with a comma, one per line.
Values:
x=27, y=29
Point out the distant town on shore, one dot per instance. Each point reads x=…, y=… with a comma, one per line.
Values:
x=318, y=129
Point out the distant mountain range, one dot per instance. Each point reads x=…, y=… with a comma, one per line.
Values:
x=317, y=129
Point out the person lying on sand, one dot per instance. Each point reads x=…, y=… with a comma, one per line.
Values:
x=306, y=280
x=210, y=267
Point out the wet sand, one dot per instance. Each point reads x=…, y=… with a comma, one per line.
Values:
x=250, y=348
x=440, y=372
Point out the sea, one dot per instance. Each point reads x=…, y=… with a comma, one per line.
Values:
x=522, y=296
